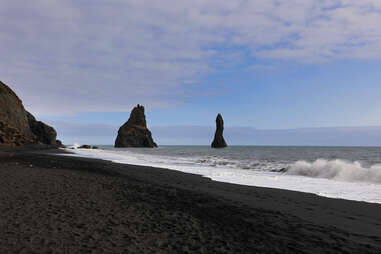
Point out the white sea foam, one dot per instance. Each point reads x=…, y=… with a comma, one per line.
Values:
x=75, y=146
x=252, y=164
x=338, y=170
x=301, y=176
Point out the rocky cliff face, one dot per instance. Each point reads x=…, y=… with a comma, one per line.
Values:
x=14, y=126
x=44, y=133
x=17, y=126
x=11, y=136
x=219, y=141
x=134, y=133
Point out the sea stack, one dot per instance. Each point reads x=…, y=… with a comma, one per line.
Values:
x=219, y=141
x=134, y=133
x=19, y=127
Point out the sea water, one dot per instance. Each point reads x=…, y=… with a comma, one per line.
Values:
x=352, y=173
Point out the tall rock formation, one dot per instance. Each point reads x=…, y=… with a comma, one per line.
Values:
x=219, y=141
x=134, y=133
x=17, y=126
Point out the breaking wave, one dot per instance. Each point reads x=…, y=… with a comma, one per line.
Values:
x=75, y=146
x=337, y=169
x=259, y=165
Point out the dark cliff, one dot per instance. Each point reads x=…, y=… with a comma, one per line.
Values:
x=44, y=133
x=17, y=126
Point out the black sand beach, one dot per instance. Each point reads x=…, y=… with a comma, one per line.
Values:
x=60, y=204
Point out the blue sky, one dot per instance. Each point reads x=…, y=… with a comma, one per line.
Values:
x=263, y=64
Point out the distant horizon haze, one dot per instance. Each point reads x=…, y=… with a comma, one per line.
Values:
x=102, y=134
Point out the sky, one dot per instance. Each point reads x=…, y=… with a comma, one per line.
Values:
x=268, y=66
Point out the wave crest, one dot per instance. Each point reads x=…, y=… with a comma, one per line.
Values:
x=259, y=165
x=338, y=170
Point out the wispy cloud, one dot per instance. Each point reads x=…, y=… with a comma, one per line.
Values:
x=71, y=56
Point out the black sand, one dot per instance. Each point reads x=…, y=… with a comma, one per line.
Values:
x=58, y=204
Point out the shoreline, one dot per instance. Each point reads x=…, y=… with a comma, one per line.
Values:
x=170, y=211
x=301, y=175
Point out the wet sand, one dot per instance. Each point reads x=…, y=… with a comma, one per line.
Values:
x=60, y=204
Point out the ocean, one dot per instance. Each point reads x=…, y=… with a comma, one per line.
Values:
x=352, y=173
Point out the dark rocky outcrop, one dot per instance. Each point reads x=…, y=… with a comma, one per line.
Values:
x=44, y=133
x=87, y=147
x=134, y=133
x=19, y=127
x=59, y=143
x=14, y=126
x=219, y=141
